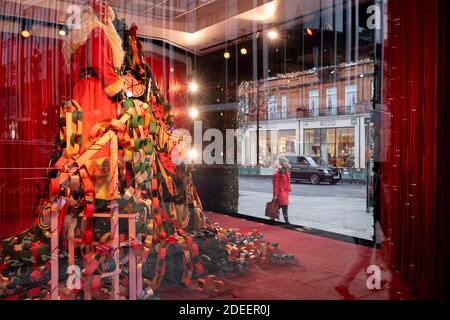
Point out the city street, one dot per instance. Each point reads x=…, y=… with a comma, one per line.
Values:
x=339, y=209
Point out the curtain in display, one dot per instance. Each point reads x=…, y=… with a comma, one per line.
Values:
x=34, y=79
x=414, y=226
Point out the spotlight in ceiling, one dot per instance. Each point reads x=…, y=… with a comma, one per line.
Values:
x=243, y=51
x=193, y=154
x=193, y=87
x=226, y=55
x=309, y=31
x=25, y=33
x=272, y=34
x=193, y=112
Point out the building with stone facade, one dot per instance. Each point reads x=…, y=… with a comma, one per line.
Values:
x=321, y=112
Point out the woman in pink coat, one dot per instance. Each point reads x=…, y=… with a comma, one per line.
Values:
x=282, y=186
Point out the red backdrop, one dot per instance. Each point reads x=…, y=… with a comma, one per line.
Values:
x=416, y=229
x=33, y=80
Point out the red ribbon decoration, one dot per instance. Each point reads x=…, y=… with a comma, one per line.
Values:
x=34, y=249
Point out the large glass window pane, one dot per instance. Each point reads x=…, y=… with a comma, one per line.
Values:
x=285, y=77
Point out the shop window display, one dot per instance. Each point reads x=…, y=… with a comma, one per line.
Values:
x=286, y=142
x=113, y=190
x=328, y=146
x=312, y=142
x=345, y=147
x=268, y=148
x=335, y=146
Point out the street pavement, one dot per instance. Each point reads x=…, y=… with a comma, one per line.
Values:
x=339, y=209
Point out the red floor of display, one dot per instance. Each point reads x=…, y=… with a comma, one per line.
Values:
x=323, y=263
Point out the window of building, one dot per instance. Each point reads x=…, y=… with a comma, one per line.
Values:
x=314, y=96
x=284, y=112
x=332, y=101
x=272, y=108
x=351, y=98
x=372, y=89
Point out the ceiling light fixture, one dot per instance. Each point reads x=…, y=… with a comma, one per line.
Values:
x=193, y=154
x=193, y=87
x=193, y=113
x=272, y=34
x=25, y=33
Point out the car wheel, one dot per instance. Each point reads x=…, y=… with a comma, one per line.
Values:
x=315, y=179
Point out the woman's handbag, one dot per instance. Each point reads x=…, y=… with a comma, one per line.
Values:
x=272, y=210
